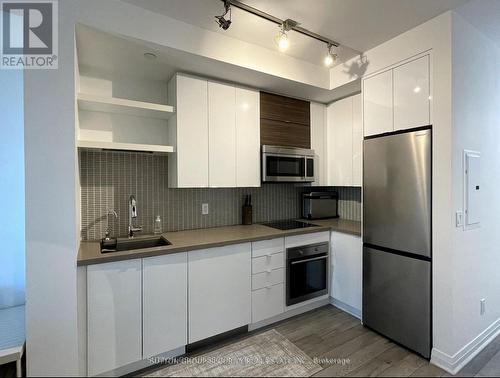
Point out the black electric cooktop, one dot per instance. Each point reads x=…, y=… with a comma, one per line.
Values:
x=289, y=224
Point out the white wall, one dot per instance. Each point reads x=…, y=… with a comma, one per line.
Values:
x=476, y=126
x=12, y=189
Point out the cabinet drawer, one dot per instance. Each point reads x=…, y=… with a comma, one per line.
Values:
x=306, y=239
x=268, y=247
x=268, y=302
x=267, y=263
x=264, y=279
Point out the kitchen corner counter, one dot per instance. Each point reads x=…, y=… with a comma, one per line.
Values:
x=190, y=240
x=340, y=225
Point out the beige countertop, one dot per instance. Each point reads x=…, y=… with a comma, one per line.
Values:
x=189, y=240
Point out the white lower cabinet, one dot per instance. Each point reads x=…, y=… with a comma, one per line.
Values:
x=114, y=321
x=268, y=302
x=219, y=290
x=268, y=277
x=164, y=296
x=346, y=270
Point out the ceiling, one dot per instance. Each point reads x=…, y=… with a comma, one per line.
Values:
x=105, y=55
x=358, y=25
x=485, y=16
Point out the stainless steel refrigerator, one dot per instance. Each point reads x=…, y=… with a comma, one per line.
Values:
x=397, y=250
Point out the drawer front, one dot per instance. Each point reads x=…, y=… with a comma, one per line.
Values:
x=268, y=263
x=268, y=302
x=306, y=239
x=264, y=279
x=268, y=247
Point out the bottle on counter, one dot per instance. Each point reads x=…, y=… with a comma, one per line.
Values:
x=158, y=229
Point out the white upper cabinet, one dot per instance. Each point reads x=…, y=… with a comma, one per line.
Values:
x=318, y=143
x=340, y=143
x=357, y=141
x=215, y=133
x=247, y=138
x=114, y=321
x=377, y=104
x=188, y=131
x=397, y=99
x=164, y=303
x=411, y=94
x=221, y=135
x=344, y=142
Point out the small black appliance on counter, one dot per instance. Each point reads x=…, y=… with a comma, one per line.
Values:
x=320, y=205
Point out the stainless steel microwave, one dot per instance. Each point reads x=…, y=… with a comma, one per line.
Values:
x=287, y=164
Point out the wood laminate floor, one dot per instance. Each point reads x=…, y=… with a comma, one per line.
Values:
x=328, y=333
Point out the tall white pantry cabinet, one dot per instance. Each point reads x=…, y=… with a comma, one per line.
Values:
x=344, y=141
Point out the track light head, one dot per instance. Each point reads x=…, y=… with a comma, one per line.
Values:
x=221, y=20
x=330, y=57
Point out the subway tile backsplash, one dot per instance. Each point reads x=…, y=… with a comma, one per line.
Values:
x=108, y=178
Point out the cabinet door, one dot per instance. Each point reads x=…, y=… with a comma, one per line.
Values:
x=247, y=138
x=346, y=270
x=318, y=142
x=221, y=136
x=411, y=94
x=357, y=141
x=191, y=133
x=164, y=290
x=219, y=290
x=377, y=104
x=340, y=143
x=113, y=315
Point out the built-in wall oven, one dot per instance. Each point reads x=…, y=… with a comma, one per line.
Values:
x=287, y=164
x=306, y=272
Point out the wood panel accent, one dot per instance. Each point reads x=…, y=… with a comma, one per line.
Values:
x=286, y=109
x=278, y=133
x=284, y=121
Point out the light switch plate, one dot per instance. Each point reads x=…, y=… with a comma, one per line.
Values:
x=459, y=219
x=204, y=209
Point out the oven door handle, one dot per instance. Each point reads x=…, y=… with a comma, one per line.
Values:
x=307, y=260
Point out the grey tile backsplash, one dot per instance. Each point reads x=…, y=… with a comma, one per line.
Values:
x=108, y=178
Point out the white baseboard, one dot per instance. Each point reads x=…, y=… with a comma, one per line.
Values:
x=346, y=308
x=453, y=364
x=142, y=364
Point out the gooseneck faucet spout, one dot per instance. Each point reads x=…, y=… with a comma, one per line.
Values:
x=132, y=217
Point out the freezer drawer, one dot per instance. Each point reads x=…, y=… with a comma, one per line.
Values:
x=397, y=192
x=397, y=298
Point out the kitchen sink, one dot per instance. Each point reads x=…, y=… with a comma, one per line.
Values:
x=120, y=245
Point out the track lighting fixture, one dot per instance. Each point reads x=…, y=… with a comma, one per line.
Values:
x=330, y=57
x=220, y=20
x=281, y=39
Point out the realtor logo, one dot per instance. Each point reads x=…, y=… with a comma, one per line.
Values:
x=29, y=34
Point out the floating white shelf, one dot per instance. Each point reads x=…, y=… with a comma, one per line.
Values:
x=124, y=146
x=123, y=106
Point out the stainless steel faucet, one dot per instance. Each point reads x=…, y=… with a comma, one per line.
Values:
x=132, y=214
